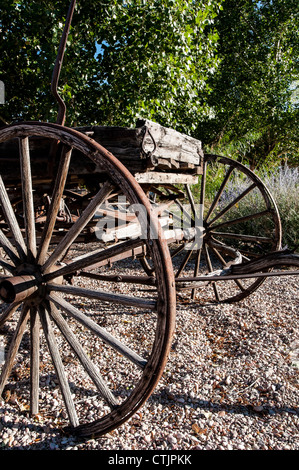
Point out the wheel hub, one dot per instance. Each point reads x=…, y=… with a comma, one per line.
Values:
x=27, y=285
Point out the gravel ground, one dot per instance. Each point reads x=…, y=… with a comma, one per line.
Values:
x=231, y=383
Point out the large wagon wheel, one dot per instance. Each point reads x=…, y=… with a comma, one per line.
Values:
x=222, y=223
x=117, y=344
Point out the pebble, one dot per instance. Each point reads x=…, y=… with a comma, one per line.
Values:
x=230, y=383
x=172, y=440
x=258, y=408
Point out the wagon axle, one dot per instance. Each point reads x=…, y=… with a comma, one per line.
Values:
x=19, y=288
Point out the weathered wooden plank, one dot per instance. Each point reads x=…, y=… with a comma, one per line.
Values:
x=175, y=152
x=111, y=297
x=58, y=365
x=28, y=205
x=148, y=139
x=142, y=148
x=35, y=361
x=88, y=365
x=167, y=163
x=98, y=330
x=169, y=141
x=155, y=177
x=14, y=347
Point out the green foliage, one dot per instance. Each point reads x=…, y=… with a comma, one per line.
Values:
x=154, y=61
x=254, y=91
x=162, y=57
x=223, y=71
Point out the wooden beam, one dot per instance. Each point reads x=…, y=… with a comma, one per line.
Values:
x=155, y=177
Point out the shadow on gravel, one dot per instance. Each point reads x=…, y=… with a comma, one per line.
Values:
x=54, y=439
x=183, y=400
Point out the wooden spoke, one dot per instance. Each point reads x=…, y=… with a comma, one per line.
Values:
x=196, y=269
x=191, y=200
x=9, y=249
x=96, y=329
x=14, y=347
x=240, y=285
x=184, y=262
x=220, y=192
x=145, y=280
x=221, y=259
x=241, y=236
x=233, y=203
x=58, y=365
x=82, y=356
x=203, y=185
x=241, y=219
x=27, y=192
x=55, y=203
x=8, y=312
x=12, y=221
x=79, y=225
x=34, y=360
x=210, y=268
x=93, y=258
x=178, y=250
x=104, y=296
x=9, y=267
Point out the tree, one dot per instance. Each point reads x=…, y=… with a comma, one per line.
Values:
x=154, y=60
x=253, y=98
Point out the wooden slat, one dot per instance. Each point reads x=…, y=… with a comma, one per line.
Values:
x=96, y=329
x=83, y=358
x=104, y=296
x=12, y=221
x=95, y=257
x=55, y=203
x=156, y=177
x=75, y=230
x=14, y=347
x=27, y=193
x=58, y=365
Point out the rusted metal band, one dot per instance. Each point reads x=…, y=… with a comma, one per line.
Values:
x=58, y=65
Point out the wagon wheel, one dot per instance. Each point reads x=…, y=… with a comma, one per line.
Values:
x=117, y=344
x=222, y=224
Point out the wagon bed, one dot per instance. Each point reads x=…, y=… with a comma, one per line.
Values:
x=153, y=153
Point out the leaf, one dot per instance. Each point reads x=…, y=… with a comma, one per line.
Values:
x=197, y=430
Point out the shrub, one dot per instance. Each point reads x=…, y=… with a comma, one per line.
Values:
x=283, y=184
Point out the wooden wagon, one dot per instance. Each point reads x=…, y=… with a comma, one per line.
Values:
x=128, y=210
